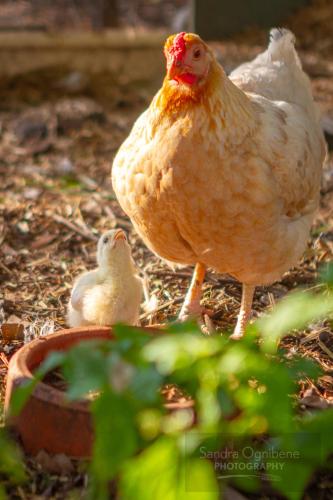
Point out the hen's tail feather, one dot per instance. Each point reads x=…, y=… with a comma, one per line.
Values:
x=277, y=33
x=282, y=46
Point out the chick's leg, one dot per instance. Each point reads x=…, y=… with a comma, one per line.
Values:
x=191, y=305
x=245, y=311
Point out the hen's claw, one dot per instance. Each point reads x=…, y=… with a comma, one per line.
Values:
x=195, y=311
x=238, y=334
x=190, y=311
x=202, y=315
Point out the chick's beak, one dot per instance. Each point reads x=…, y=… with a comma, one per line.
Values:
x=120, y=235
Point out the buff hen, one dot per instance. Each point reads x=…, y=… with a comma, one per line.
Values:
x=224, y=172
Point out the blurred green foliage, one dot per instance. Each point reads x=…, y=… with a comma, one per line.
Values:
x=326, y=274
x=244, y=400
x=11, y=468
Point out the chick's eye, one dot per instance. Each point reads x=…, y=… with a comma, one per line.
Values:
x=105, y=240
x=197, y=53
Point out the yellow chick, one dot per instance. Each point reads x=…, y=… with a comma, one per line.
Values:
x=112, y=293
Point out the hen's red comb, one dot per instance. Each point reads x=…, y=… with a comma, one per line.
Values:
x=178, y=48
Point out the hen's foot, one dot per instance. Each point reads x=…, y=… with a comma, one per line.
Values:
x=244, y=313
x=194, y=311
x=238, y=333
x=202, y=315
x=191, y=307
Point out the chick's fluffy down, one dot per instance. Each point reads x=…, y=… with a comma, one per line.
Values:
x=107, y=304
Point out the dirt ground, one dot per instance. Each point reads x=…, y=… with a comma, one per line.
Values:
x=56, y=151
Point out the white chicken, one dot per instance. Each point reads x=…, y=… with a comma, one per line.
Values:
x=112, y=293
x=224, y=172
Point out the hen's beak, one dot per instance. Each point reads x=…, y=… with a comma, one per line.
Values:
x=175, y=68
x=181, y=72
x=120, y=235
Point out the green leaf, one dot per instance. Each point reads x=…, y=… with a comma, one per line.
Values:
x=145, y=385
x=161, y=472
x=22, y=393
x=116, y=437
x=294, y=312
x=293, y=480
x=226, y=402
x=199, y=480
x=11, y=465
x=69, y=181
x=320, y=424
x=187, y=327
x=129, y=342
x=260, y=385
x=172, y=352
x=300, y=367
x=85, y=369
x=291, y=465
x=134, y=336
x=326, y=274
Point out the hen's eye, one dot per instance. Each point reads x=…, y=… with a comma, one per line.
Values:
x=197, y=54
x=105, y=239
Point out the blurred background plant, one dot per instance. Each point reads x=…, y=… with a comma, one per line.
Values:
x=244, y=398
x=11, y=465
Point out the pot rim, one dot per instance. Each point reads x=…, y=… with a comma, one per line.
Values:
x=21, y=363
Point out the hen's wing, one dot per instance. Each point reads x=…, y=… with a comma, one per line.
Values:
x=291, y=139
x=291, y=144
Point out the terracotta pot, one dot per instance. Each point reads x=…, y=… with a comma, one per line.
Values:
x=48, y=421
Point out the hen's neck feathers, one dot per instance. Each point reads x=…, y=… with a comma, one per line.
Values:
x=218, y=104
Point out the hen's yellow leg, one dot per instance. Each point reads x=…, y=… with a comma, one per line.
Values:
x=191, y=306
x=245, y=311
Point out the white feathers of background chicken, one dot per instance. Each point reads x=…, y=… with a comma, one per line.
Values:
x=291, y=132
x=276, y=73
